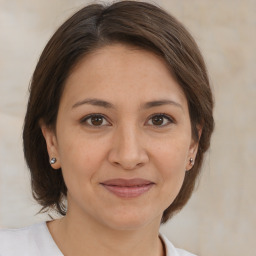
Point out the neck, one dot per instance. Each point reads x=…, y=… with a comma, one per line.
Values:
x=83, y=236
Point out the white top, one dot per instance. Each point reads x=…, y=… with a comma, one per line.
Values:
x=36, y=240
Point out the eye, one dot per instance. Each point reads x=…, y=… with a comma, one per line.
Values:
x=95, y=120
x=160, y=120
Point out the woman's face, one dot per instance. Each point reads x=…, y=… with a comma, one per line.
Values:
x=123, y=138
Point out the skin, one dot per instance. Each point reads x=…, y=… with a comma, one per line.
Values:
x=127, y=144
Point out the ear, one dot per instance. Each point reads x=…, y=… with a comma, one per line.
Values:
x=52, y=145
x=193, y=148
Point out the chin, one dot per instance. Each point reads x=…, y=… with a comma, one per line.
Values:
x=130, y=221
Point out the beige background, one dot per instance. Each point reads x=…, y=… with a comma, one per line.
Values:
x=220, y=219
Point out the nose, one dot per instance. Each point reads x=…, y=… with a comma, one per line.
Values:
x=127, y=149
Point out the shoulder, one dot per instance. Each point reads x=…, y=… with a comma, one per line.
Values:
x=20, y=241
x=171, y=250
x=32, y=240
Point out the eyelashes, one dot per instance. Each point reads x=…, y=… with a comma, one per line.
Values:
x=95, y=120
x=158, y=120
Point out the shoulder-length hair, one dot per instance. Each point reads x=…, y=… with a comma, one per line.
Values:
x=134, y=23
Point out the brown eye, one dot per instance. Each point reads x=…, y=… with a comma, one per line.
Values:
x=160, y=120
x=95, y=121
x=157, y=120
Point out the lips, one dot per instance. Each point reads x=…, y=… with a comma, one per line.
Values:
x=127, y=188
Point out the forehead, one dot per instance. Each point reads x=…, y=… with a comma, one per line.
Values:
x=122, y=71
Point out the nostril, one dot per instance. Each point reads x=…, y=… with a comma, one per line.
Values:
x=116, y=163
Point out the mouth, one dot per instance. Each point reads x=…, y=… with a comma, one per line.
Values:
x=128, y=188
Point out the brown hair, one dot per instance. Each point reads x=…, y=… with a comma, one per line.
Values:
x=128, y=22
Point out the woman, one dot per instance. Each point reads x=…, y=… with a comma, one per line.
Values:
x=118, y=120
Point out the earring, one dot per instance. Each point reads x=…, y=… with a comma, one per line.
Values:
x=191, y=161
x=53, y=160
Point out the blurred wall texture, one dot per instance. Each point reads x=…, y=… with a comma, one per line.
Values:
x=220, y=219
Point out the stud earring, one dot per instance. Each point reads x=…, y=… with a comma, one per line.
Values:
x=53, y=160
x=191, y=161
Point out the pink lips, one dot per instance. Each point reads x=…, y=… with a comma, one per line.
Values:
x=128, y=188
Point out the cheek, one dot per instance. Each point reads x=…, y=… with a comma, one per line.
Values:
x=170, y=161
x=80, y=159
x=172, y=166
x=171, y=155
x=78, y=148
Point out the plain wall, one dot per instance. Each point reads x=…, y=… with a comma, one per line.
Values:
x=220, y=217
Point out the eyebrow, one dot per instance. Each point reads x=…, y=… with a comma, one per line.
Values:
x=105, y=104
x=157, y=103
x=94, y=102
